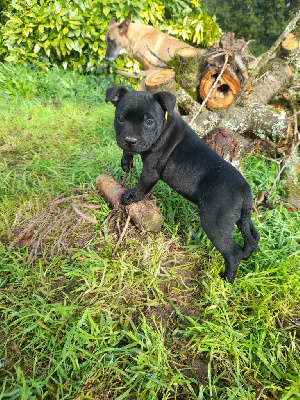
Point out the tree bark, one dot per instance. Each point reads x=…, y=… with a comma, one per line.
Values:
x=273, y=79
x=186, y=64
x=229, y=145
x=264, y=123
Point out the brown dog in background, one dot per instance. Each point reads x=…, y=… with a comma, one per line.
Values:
x=141, y=42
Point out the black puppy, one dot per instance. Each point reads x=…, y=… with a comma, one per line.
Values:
x=147, y=124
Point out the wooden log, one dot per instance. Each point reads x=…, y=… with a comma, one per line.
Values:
x=223, y=94
x=161, y=81
x=226, y=143
x=290, y=52
x=229, y=145
x=273, y=79
x=261, y=121
x=243, y=70
x=186, y=64
x=145, y=214
x=289, y=44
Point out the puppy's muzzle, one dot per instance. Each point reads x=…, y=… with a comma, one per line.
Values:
x=130, y=141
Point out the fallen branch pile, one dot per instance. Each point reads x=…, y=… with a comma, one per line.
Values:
x=59, y=225
x=218, y=78
x=65, y=224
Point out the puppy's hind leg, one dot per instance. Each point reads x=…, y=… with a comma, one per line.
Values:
x=250, y=234
x=220, y=234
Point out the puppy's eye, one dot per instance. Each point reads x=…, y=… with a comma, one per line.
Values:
x=149, y=122
x=120, y=118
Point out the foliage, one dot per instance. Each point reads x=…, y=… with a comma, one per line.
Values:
x=71, y=34
x=261, y=20
x=155, y=321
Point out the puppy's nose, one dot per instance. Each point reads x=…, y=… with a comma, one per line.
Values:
x=130, y=140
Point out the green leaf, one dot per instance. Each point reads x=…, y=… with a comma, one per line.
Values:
x=10, y=58
x=26, y=31
x=95, y=46
x=46, y=44
x=69, y=43
x=36, y=48
x=41, y=29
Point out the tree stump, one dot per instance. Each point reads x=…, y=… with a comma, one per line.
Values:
x=161, y=81
x=223, y=94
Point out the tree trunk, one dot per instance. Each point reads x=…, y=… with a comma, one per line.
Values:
x=264, y=123
x=289, y=45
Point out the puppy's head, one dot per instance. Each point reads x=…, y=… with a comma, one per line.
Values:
x=140, y=117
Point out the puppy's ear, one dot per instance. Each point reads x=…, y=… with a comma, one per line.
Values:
x=166, y=100
x=112, y=21
x=115, y=94
x=123, y=27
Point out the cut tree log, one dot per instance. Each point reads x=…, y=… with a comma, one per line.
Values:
x=161, y=81
x=263, y=122
x=145, y=214
x=224, y=92
x=186, y=64
x=212, y=62
x=290, y=44
x=197, y=70
x=264, y=60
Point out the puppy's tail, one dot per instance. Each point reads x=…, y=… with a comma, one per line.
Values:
x=249, y=232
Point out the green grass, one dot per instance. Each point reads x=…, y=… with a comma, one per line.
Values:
x=155, y=321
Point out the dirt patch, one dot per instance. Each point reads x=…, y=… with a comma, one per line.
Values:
x=180, y=289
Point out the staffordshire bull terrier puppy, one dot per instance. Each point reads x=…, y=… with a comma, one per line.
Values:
x=147, y=124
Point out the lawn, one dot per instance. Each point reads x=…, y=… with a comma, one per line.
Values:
x=153, y=321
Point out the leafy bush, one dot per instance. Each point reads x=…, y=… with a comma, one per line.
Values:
x=71, y=34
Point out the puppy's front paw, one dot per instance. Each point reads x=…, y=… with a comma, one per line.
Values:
x=131, y=196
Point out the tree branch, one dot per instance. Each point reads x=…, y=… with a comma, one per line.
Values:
x=260, y=65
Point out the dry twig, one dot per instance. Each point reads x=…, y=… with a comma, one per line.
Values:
x=53, y=217
x=82, y=215
x=260, y=393
x=121, y=236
